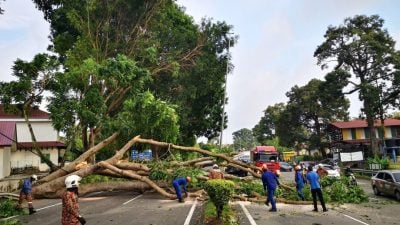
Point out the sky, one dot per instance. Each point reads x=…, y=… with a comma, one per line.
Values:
x=277, y=40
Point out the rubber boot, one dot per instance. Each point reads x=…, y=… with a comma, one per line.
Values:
x=31, y=211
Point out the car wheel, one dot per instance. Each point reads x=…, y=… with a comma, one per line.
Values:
x=397, y=195
x=376, y=192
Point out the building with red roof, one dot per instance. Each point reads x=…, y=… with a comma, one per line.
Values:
x=354, y=135
x=16, y=146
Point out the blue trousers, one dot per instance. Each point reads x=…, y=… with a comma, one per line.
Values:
x=270, y=198
x=177, y=190
x=300, y=193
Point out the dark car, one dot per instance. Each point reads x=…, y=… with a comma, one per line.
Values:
x=285, y=167
x=238, y=172
x=387, y=182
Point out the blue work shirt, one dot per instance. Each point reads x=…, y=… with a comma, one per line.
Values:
x=27, y=186
x=181, y=181
x=269, y=180
x=299, y=179
x=313, y=179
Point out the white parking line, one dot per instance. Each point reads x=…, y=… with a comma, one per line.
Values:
x=355, y=219
x=246, y=212
x=189, y=216
x=132, y=199
x=49, y=206
x=4, y=219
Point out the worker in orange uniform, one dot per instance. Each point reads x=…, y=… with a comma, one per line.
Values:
x=321, y=171
x=215, y=173
x=70, y=207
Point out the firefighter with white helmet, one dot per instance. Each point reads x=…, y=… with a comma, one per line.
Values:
x=70, y=206
x=26, y=193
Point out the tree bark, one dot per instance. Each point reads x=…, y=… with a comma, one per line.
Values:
x=71, y=167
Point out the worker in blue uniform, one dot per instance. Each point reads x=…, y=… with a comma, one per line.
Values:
x=315, y=186
x=270, y=182
x=177, y=183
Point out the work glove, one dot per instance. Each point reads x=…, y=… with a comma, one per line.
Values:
x=82, y=220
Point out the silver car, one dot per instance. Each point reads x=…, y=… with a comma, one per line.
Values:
x=387, y=182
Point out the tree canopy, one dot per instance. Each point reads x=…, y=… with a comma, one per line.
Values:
x=362, y=48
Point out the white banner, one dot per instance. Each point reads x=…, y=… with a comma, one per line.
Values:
x=351, y=156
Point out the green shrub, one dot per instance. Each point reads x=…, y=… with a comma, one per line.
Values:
x=188, y=172
x=7, y=208
x=99, y=179
x=249, y=187
x=341, y=191
x=220, y=192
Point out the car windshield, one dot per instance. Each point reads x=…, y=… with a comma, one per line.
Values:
x=396, y=177
x=328, y=167
x=266, y=158
x=284, y=163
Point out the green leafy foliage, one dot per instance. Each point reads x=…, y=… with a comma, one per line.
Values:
x=7, y=208
x=383, y=161
x=341, y=191
x=188, y=172
x=100, y=179
x=220, y=192
x=249, y=188
x=10, y=222
x=159, y=171
x=228, y=214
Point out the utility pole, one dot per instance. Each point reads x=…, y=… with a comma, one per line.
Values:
x=224, y=101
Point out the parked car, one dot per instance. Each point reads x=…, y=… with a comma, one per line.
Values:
x=235, y=171
x=387, y=182
x=332, y=172
x=285, y=167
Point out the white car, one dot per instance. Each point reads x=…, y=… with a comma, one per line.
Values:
x=332, y=172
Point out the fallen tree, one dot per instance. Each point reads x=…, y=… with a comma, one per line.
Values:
x=52, y=186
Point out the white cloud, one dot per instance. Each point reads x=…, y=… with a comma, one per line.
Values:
x=23, y=34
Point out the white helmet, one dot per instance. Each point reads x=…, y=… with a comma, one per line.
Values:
x=320, y=165
x=34, y=177
x=215, y=166
x=72, y=181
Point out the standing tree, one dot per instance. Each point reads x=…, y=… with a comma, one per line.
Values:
x=315, y=105
x=20, y=96
x=243, y=139
x=363, y=49
x=266, y=127
x=186, y=62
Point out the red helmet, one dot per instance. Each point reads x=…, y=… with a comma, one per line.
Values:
x=264, y=167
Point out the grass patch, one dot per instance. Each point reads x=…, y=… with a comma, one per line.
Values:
x=10, y=222
x=210, y=215
x=7, y=209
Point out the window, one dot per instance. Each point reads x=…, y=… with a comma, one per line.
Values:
x=380, y=176
x=45, y=155
x=388, y=177
x=353, y=133
x=397, y=176
x=366, y=132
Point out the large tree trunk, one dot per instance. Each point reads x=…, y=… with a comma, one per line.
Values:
x=53, y=185
x=71, y=167
x=48, y=162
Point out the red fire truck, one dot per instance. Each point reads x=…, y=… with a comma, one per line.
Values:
x=266, y=155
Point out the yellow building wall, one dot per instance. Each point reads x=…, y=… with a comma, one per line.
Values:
x=360, y=133
x=346, y=133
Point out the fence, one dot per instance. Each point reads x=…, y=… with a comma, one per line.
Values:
x=363, y=172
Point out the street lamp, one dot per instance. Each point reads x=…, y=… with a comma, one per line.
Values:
x=224, y=101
